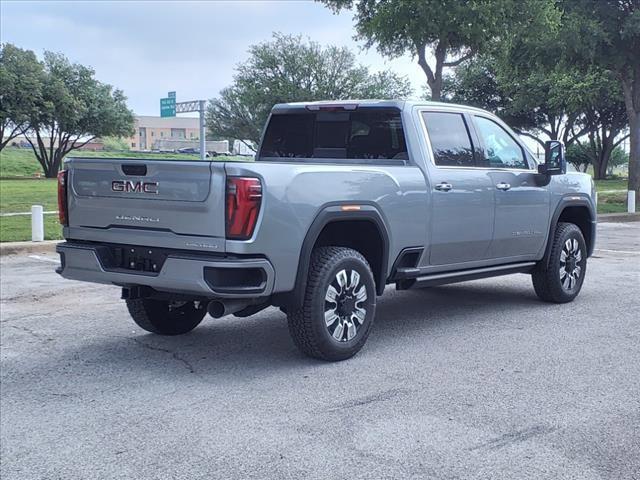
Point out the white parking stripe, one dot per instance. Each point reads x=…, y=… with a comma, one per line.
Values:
x=617, y=251
x=44, y=259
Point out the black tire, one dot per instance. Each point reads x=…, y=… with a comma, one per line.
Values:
x=313, y=335
x=165, y=318
x=550, y=284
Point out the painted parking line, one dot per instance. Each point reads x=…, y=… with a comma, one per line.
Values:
x=44, y=259
x=17, y=214
x=617, y=251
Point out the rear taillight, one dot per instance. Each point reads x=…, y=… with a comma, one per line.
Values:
x=244, y=196
x=62, y=198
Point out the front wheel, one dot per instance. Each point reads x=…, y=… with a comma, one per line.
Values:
x=164, y=317
x=560, y=280
x=339, y=305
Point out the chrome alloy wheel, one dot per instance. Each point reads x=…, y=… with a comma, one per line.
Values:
x=343, y=310
x=570, y=264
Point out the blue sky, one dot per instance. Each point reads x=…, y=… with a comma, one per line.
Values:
x=147, y=48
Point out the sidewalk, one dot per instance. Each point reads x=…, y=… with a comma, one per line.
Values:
x=19, y=248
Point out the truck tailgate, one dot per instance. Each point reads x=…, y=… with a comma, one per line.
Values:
x=179, y=198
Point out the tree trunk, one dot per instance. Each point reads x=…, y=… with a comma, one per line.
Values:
x=434, y=76
x=436, y=89
x=603, y=162
x=631, y=90
x=634, y=155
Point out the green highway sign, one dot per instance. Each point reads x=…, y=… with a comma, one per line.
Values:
x=168, y=107
x=171, y=95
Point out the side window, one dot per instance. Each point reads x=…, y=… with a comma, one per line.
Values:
x=501, y=150
x=450, y=140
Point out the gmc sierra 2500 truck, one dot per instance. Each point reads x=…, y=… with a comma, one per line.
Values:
x=343, y=198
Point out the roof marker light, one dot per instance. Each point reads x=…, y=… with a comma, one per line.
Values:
x=335, y=107
x=350, y=208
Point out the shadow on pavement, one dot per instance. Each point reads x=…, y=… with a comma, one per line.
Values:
x=261, y=345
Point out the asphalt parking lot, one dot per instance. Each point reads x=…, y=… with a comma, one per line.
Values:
x=476, y=380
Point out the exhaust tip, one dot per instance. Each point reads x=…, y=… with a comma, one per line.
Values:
x=216, y=309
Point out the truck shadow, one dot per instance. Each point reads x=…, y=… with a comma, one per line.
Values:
x=236, y=349
x=261, y=344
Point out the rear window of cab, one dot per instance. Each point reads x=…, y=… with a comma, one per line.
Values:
x=363, y=135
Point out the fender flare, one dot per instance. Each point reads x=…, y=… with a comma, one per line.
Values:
x=571, y=200
x=334, y=213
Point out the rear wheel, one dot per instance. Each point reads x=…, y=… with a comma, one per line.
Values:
x=165, y=317
x=560, y=280
x=339, y=305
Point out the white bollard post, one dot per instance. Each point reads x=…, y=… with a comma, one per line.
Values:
x=631, y=201
x=37, y=223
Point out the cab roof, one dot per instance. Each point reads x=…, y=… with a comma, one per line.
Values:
x=354, y=103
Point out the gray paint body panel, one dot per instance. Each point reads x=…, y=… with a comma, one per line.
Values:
x=472, y=226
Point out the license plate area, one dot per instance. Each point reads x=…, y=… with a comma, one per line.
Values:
x=148, y=260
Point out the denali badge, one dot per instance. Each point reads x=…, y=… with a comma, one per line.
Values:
x=137, y=218
x=136, y=187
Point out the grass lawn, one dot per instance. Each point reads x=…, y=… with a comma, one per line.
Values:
x=18, y=162
x=19, y=195
x=21, y=162
x=18, y=229
x=614, y=202
x=613, y=184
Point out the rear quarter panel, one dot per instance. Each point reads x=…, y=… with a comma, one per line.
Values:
x=294, y=195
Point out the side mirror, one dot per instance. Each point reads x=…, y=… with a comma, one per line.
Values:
x=554, y=161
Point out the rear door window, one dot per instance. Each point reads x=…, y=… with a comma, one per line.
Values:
x=368, y=135
x=450, y=139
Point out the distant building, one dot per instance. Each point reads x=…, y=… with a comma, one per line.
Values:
x=149, y=129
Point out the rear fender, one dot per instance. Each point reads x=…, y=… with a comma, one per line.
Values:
x=335, y=213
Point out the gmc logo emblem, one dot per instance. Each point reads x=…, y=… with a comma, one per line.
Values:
x=129, y=186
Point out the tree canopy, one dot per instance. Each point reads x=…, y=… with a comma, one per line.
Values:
x=536, y=84
x=609, y=33
x=289, y=69
x=443, y=33
x=20, y=90
x=72, y=109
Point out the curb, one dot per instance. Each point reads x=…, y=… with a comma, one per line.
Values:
x=618, y=217
x=17, y=248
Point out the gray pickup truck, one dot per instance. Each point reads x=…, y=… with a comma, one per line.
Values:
x=343, y=198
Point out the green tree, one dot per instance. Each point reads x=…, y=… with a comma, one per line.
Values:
x=556, y=100
x=289, y=69
x=74, y=108
x=443, y=33
x=532, y=102
x=20, y=86
x=618, y=158
x=579, y=156
x=583, y=154
x=115, y=144
x=605, y=120
x=609, y=37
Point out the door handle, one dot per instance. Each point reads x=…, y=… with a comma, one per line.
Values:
x=503, y=186
x=444, y=187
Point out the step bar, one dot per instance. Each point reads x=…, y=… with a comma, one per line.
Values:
x=462, y=275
